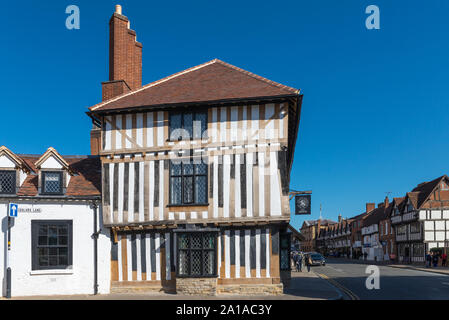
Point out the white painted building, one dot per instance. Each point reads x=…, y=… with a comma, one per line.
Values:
x=52, y=239
x=372, y=245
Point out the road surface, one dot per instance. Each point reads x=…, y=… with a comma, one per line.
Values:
x=395, y=283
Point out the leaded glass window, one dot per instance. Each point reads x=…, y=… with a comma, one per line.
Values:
x=188, y=126
x=197, y=254
x=188, y=182
x=52, y=245
x=52, y=182
x=8, y=182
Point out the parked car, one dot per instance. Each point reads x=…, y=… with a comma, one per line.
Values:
x=317, y=259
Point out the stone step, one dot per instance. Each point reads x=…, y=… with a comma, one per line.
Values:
x=251, y=289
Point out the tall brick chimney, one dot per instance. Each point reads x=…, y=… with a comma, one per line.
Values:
x=125, y=66
x=125, y=57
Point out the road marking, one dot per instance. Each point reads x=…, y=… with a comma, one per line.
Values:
x=348, y=292
x=339, y=270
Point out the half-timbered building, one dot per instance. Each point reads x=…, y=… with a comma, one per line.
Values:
x=196, y=173
x=433, y=206
x=342, y=237
x=421, y=220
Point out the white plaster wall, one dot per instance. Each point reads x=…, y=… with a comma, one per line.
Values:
x=51, y=163
x=5, y=162
x=79, y=280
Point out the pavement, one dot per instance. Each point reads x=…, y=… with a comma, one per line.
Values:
x=396, y=282
x=303, y=286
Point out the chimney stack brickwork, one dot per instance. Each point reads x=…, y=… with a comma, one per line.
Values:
x=370, y=207
x=125, y=53
x=113, y=89
x=125, y=65
x=125, y=58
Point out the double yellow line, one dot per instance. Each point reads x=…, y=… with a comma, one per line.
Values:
x=345, y=290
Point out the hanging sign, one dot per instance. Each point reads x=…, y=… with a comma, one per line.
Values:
x=303, y=205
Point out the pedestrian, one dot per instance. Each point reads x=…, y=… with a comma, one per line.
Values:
x=435, y=260
x=444, y=259
x=428, y=260
x=365, y=255
x=308, y=262
x=299, y=263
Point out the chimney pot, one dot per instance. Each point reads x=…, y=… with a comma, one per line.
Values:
x=118, y=9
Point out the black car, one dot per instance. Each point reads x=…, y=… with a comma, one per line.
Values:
x=317, y=259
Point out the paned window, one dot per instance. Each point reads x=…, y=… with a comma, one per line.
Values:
x=188, y=126
x=188, y=182
x=197, y=254
x=52, y=183
x=51, y=245
x=8, y=182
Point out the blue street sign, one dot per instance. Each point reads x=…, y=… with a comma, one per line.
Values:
x=13, y=210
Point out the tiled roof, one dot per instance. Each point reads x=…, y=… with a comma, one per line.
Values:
x=213, y=81
x=420, y=194
x=85, y=182
x=375, y=216
x=413, y=197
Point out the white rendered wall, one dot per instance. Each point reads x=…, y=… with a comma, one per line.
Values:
x=79, y=280
x=51, y=163
x=5, y=162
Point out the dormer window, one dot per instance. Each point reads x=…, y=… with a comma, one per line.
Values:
x=8, y=182
x=52, y=182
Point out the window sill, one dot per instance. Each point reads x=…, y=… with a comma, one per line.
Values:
x=51, y=272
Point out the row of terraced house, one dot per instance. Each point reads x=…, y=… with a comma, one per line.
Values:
x=402, y=230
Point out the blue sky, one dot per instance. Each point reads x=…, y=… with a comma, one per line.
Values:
x=375, y=101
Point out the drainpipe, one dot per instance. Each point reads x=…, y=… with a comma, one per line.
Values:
x=94, y=206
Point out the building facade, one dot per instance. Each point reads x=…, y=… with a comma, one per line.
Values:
x=357, y=223
x=312, y=231
x=196, y=172
x=373, y=230
x=56, y=245
x=387, y=236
